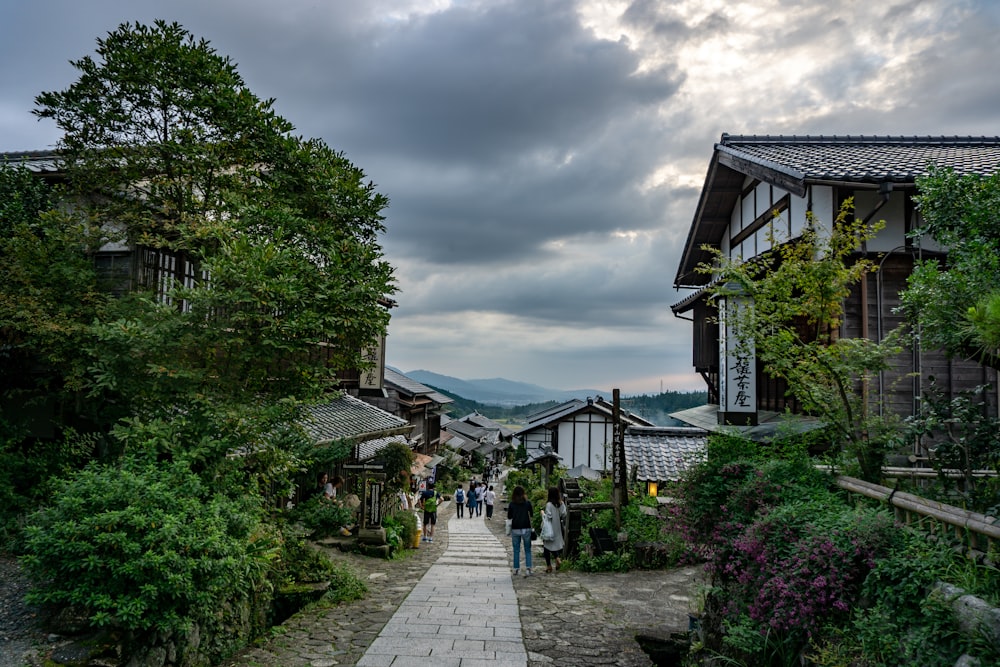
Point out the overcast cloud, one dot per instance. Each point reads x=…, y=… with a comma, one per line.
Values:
x=543, y=158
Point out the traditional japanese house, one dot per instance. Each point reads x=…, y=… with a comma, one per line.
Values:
x=749, y=179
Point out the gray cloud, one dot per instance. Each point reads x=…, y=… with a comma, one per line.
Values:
x=543, y=158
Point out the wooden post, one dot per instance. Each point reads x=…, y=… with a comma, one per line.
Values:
x=619, y=473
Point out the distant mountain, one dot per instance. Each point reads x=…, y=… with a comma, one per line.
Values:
x=498, y=391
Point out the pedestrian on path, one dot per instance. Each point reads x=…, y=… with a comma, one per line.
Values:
x=555, y=514
x=459, y=501
x=471, y=498
x=519, y=512
x=480, y=498
x=429, y=501
x=491, y=498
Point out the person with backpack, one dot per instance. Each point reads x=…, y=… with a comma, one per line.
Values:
x=429, y=502
x=460, y=501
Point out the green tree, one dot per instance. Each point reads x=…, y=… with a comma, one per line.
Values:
x=798, y=293
x=167, y=149
x=257, y=273
x=956, y=302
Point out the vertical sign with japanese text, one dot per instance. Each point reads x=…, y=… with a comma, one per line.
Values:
x=737, y=365
x=371, y=377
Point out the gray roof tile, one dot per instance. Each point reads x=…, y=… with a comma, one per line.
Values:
x=412, y=387
x=662, y=454
x=865, y=158
x=350, y=418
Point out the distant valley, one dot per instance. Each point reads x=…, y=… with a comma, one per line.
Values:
x=498, y=391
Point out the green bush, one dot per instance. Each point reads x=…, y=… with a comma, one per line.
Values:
x=300, y=563
x=345, y=586
x=322, y=517
x=798, y=572
x=407, y=521
x=145, y=548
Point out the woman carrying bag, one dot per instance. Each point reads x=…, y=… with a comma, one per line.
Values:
x=519, y=515
x=553, y=517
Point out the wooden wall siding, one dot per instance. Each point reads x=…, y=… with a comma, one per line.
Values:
x=706, y=337
x=911, y=371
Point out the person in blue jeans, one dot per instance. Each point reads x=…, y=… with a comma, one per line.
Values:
x=519, y=513
x=459, y=501
x=470, y=497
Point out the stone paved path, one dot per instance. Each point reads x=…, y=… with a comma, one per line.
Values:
x=462, y=613
x=565, y=619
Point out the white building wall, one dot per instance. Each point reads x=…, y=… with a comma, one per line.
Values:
x=893, y=213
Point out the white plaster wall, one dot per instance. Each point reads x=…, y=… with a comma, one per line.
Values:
x=893, y=213
x=763, y=200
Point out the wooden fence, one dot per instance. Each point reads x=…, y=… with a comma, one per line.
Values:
x=979, y=533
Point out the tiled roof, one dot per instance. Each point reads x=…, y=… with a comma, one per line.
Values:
x=793, y=163
x=486, y=422
x=865, y=158
x=466, y=430
x=349, y=418
x=663, y=453
x=40, y=162
x=410, y=386
x=370, y=448
x=570, y=408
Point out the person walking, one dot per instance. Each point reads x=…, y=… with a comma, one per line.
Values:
x=429, y=502
x=555, y=514
x=471, y=499
x=490, y=497
x=480, y=498
x=460, y=502
x=519, y=512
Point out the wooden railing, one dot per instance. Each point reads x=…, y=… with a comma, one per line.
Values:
x=978, y=532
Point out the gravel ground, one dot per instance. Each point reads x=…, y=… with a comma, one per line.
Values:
x=19, y=631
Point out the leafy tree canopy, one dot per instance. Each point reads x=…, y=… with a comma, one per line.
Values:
x=798, y=293
x=957, y=303
x=167, y=149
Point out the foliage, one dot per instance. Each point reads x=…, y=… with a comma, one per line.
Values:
x=956, y=302
x=322, y=517
x=400, y=530
x=960, y=436
x=797, y=572
x=655, y=408
x=397, y=461
x=345, y=586
x=300, y=562
x=48, y=299
x=145, y=547
x=797, y=308
x=407, y=522
x=165, y=148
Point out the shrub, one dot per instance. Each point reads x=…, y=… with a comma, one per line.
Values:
x=144, y=548
x=321, y=517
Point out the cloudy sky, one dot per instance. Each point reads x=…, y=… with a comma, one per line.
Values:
x=543, y=157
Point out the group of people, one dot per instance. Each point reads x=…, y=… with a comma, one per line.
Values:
x=479, y=495
x=519, y=513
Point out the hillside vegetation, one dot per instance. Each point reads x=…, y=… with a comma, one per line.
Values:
x=656, y=408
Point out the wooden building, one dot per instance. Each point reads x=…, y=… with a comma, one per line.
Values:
x=751, y=177
x=580, y=432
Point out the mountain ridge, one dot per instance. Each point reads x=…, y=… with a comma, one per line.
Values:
x=499, y=391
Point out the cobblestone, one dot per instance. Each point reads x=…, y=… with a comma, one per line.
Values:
x=567, y=618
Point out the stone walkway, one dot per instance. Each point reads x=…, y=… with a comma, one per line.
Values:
x=454, y=602
x=462, y=613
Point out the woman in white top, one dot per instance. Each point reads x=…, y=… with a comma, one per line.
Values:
x=555, y=512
